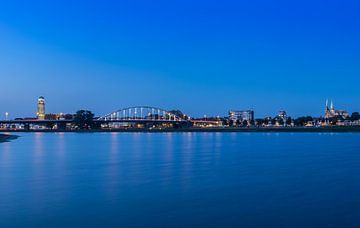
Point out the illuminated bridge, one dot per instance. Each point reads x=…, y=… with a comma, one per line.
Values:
x=141, y=114
x=133, y=116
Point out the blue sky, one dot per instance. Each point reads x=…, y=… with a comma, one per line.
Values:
x=203, y=57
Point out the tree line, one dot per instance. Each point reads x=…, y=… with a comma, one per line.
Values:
x=84, y=119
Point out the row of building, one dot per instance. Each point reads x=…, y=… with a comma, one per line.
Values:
x=42, y=115
x=235, y=117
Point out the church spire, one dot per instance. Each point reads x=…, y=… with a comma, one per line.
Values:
x=327, y=104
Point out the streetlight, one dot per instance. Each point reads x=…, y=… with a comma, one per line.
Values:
x=6, y=116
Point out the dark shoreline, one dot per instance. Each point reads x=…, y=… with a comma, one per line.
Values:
x=7, y=138
x=354, y=129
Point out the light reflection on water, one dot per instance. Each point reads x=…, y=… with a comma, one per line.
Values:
x=113, y=177
x=180, y=179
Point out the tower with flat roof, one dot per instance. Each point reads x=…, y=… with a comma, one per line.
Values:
x=41, y=108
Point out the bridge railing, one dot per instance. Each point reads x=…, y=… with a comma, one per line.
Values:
x=141, y=113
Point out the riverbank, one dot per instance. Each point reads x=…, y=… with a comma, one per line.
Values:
x=354, y=129
x=6, y=138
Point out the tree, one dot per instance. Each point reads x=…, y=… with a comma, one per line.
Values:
x=231, y=123
x=273, y=121
x=260, y=122
x=333, y=120
x=301, y=121
x=226, y=122
x=355, y=116
x=84, y=119
x=281, y=122
x=288, y=121
x=68, y=116
x=267, y=120
x=245, y=123
x=252, y=122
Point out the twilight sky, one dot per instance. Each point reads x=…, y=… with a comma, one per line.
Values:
x=203, y=57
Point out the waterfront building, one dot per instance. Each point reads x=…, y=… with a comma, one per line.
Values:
x=331, y=112
x=58, y=116
x=41, y=108
x=309, y=124
x=241, y=116
x=355, y=123
x=282, y=115
x=281, y=119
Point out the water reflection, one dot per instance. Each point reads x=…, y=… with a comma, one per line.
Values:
x=37, y=180
x=113, y=176
x=60, y=177
x=5, y=154
x=122, y=180
x=60, y=147
x=188, y=154
x=38, y=149
x=5, y=167
x=166, y=154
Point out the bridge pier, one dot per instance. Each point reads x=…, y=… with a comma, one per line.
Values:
x=26, y=127
x=61, y=126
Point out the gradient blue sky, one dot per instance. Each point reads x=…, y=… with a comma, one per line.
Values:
x=203, y=57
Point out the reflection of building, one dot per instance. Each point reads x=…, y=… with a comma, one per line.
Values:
x=240, y=116
x=331, y=112
x=41, y=108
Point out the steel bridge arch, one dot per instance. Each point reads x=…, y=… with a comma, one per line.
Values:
x=141, y=113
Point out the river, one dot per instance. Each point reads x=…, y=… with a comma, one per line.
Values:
x=180, y=180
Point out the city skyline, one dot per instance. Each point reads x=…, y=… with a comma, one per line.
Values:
x=202, y=57
x=40, y=113
x=179, y=113
x=148, y=118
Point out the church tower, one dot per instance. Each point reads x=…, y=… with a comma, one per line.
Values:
x=327, y=105
x=332, y=109
x=41, y=108
x=327, y=110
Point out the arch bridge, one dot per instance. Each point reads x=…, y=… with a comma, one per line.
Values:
x=141, y=114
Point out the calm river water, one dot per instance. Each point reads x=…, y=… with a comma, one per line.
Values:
x=180, y=180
